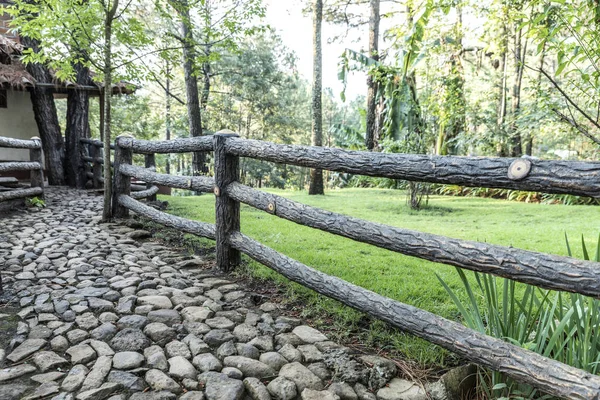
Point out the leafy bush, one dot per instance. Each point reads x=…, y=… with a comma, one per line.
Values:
x=564, y=327
x=36, y=202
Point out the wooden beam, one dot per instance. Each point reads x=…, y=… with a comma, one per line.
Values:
x=21, y=193
x=19, y=166
x=525, y=366
x=195, y=183
x=19, y=144
x=186, y=145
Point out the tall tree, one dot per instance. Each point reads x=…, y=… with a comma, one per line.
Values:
x=316, y=175
x=371, y=83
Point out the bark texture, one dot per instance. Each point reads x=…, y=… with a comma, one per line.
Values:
x=371, y=84
x=19, y=144
x=567, y=177
x=196, y=228
x=37, y=175
x=123, y=156
x=227, y=210
x=196, y=183
x=148, y=194
x=316, y=175
x=204, y=143
x=524, y=366
x=150, y=163
x=542, y=270
x=21, y=193
x=19, y=166
x=78, y=127
x=46, y=119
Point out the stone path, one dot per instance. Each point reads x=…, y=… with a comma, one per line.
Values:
x=103, y=316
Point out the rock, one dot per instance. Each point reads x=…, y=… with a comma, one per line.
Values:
x=153, y=396
x=127, y=360
x=226, y=349
x=10, y=373
x=401, y=389
x=123, y=283
x=308, y=334
x=100, y=305
x=44, y=390
x=74, y=378
x=310, y=353
x=343, y=391
x=196, y=314
x=87, y=321
x=59, y=343
x=192, y=395
x=233, y=373
x=132, y=321
x=282, y=389
x=245, y=333
x=81, y=354
x=158, y=380
x=100, y=393
x=104, y=332
x=127, y=380
x=77, y=336
x=157, y=302
x=347, y=368
x=168, y=317
x=249, y=367
x=98, y=373
x=381, y=370
x=47, y=360
x=155, y=358
x=273, y=360
x=363, y=393
x=264, y=343
x=217, y=337
x=207, y=362
x=247, y=350
x=301, y=376
x=130, y=339
x=48, y=377
x=220, y=323
x=459, y=382
x=290, y=353
x=220, y=387
x=309, y=394
x=101, y=348
x=160, y=333
x=13, y=391
x=180, y=368
x=256, y=389
x=320, y=369
x=177, y=348
x=196, y=345
x=25, y=349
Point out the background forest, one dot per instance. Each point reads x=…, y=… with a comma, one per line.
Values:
x=494, y=77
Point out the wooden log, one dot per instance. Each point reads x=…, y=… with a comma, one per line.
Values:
x=19, y=166
x=147, y=194
x=95, y=142
x=97, y=156
x=36, y=176
x=122, y=183
x=227, y=210
x=525, y=366
x=201, y=229
x=200, y=143
x=539, y=269
x=150, y=163
x=564, y=177
x=21, y=193
x=195, y=183
x=19, y=144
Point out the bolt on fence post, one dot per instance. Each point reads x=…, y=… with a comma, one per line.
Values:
x=121, y=183
x=227, y=210
x=37, y=175
x=150, y=161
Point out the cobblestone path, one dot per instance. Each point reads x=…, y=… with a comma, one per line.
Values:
x=100, y=315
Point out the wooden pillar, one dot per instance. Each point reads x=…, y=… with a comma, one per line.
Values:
x=37, y=175
x=227, y=210
x=150, y=160
x=121, y=183
x=97, y=159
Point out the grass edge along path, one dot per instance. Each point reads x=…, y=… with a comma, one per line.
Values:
x=536, y=227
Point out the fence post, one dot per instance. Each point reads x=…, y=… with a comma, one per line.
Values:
x=150, y=160
x=227, y=210
x=95, y=153
x=121, y=183
x=37, y=175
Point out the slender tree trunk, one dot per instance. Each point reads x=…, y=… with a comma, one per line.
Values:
x=78, y=103
x=516, y=148
x=46, y=118
x=502, y=95
x=168, y=114
x=316, y=175
x=538, y=85
x=191, y=84
x=370, y=139
x=107, y=94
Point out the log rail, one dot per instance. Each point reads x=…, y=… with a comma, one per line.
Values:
x=543, y=270
x=35, y=167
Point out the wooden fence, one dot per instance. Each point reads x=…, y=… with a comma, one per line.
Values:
x=35, y=166
x=543, y=270
x=94, y=166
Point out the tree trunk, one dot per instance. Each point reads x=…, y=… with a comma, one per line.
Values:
x=502, y=95
x=371, y=84
x=78, y=103
x=168, y=115
x=191, y=85
x=46, y=118
x=316, y=175
x=516, y=148
x=538, y=85
x=107, y=94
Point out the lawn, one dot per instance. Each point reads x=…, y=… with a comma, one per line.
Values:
x=410, y=280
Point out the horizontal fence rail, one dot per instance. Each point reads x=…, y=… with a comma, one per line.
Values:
x=543, y=270
x=562, y=177
x=35, y=167
x=525, y=366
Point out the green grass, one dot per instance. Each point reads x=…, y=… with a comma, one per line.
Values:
x=410, y=280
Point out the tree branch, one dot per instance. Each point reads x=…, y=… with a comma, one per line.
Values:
x=582, y=129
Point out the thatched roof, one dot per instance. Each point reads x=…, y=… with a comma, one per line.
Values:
x=13, y=74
